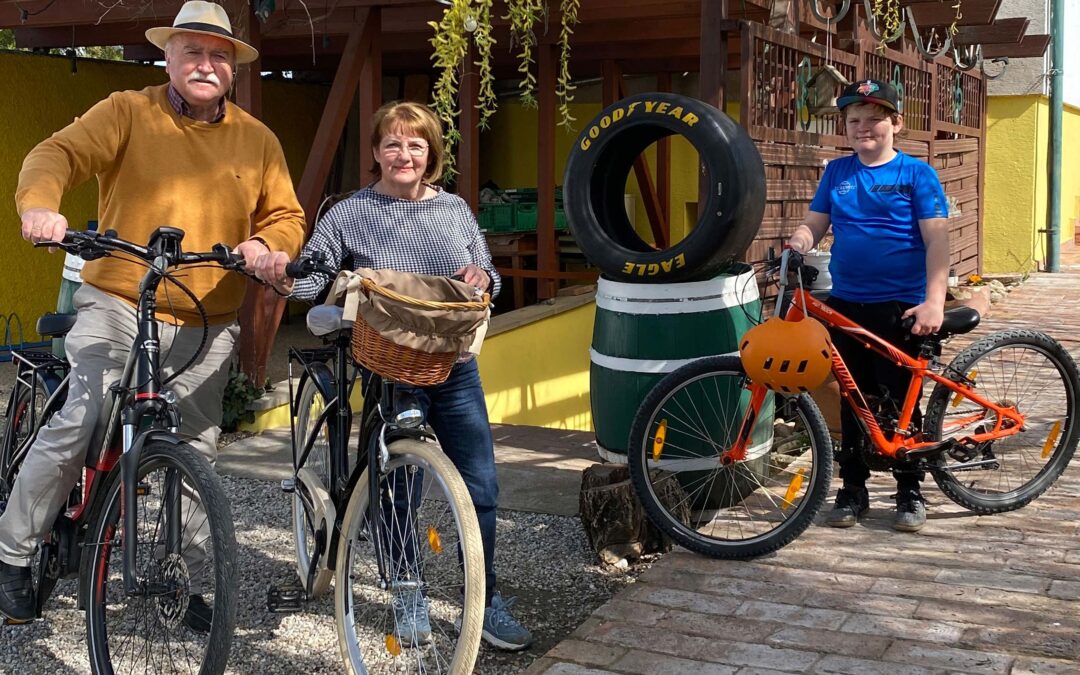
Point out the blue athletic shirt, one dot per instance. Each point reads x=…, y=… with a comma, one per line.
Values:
x=878, y=254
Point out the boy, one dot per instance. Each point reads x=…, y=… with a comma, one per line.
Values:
x=890, y=261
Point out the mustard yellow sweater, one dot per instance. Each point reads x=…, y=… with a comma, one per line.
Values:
x=222, y=182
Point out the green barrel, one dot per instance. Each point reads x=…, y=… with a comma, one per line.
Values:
x=644, y=331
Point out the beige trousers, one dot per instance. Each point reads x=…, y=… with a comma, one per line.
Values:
x=97, y=348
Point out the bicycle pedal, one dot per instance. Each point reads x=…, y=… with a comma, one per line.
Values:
x=288, y=486
x=286, y=598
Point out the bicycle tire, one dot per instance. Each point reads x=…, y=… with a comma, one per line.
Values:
x=1048, y=363
x=710, y=507
x=161, y=618
x=310, y=404
x=458, y=610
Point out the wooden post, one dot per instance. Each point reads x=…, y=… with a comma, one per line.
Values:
x=468, y=158
x=335, y=114
x=712, y=69
x=370, y=90
x=663, y=165
x=248, y=77
x=546, y=253
x=260, y=313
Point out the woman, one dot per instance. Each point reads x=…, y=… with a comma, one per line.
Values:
x=403, y=221
x=890, y=261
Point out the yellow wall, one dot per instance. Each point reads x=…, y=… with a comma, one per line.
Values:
x=539, y=374
x=1017, y=181
x=42, y=95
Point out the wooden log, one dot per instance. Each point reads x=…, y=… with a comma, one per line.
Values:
x=613, y=518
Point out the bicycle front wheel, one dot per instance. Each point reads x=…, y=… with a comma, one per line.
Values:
x=727, y=509
x=182, y=615
x=1021, y=368
x=409, y=595
x=307, y=521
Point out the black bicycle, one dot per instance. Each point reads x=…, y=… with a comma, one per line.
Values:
x=395, y=523
x=147, y=530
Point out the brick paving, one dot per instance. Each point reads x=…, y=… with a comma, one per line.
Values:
x=968, y=594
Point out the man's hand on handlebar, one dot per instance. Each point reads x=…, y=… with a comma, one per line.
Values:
x=266, y=265
x=43, y=225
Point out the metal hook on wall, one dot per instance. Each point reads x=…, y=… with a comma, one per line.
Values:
x=967, y=57
x=923, y=48
x=840, y=13
x=1002, y=61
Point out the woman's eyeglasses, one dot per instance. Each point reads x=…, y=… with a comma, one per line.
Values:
x=394, y=148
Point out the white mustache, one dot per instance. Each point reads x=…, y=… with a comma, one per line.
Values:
x=209, y=79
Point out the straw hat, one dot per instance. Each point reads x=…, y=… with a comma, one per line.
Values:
x=205, y=18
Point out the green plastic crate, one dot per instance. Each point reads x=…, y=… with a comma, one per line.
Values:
x=525, y=218
x=497, y=217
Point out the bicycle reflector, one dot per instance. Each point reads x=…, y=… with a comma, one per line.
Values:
x=787, y=356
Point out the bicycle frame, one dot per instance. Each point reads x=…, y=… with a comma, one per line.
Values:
x=338, y=415
x=902, y=442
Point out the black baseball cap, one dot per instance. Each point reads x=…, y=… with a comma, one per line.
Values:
x=869, y=91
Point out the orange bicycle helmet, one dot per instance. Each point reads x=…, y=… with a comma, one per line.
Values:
x=787, y=356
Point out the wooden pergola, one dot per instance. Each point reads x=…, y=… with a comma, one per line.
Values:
x=748, y=52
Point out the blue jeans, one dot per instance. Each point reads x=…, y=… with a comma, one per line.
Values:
x=457, y=412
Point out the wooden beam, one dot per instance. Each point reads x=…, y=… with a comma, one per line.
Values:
x=546, y=251
x=468, y=158
x=87, y=12
x=1001, y=32
x=1029, y=46
x=370, y=92
x=335, y=113
x=934, y=13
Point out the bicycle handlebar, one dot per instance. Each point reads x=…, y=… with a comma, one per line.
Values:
x=306, y=265
x=93, y=245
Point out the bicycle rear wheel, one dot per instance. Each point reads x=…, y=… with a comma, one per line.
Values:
x=186, y=548
x=727, y=510
x=426, y=533
x=24, y=416
x=307, y=522
x=1031, y=371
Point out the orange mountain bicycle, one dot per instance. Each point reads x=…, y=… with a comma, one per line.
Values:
x=730, y=469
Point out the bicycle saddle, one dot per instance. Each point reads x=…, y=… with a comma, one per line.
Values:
x=958, y=320
x=326, y=319
x=55, y=325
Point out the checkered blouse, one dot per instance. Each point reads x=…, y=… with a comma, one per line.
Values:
x=434, y=236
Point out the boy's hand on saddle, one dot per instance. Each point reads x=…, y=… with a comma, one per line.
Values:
x=928, y=317
x=43, y=224
x=268, y=266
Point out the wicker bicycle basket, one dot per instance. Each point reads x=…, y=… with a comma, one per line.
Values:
x=428, y=325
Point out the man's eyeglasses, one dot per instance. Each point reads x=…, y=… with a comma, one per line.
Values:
x=414, y=148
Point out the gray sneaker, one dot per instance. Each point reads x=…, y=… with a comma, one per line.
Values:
x=910, y=512
x=851, y=503
x=501, y=629
x=412, y=625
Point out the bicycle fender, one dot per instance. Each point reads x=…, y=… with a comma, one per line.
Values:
x=322, y=376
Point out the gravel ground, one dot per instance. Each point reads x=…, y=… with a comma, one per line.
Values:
x=544, y=560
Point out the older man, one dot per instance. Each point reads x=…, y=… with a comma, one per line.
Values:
x=177, y=154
